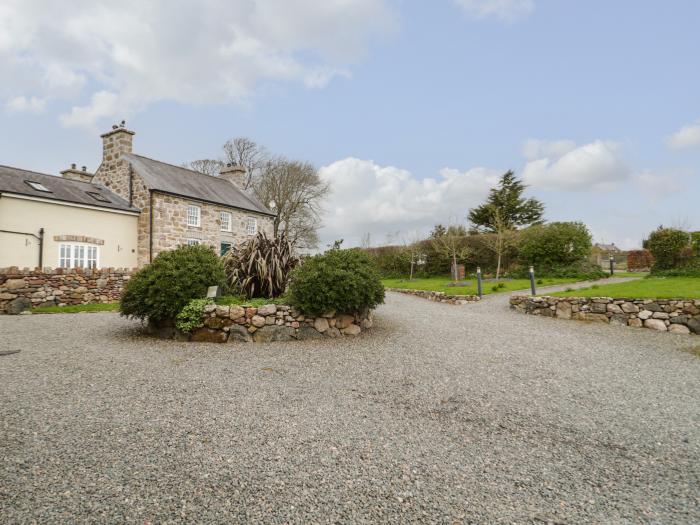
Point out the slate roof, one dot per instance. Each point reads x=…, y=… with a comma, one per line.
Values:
x=176, y=180
x=12, y=181
x=607, y=247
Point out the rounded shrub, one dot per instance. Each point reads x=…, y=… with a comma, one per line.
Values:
x=666, y=246
x=345, y=281
x=556, y=249
x=161, y=289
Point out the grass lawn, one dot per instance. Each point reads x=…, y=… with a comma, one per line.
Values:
x=229, y=300
x=440, y=284
x=76, y=308
x=650, y=288
x=630, y=274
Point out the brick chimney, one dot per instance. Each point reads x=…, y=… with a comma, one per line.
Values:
x=73, y=173
x=236, y=175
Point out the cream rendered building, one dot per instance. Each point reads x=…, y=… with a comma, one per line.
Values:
x=49, y=221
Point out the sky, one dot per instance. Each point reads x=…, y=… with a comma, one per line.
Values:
x=410, y=109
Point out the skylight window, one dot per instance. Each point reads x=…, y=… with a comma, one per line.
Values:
x=38, y=186
x=98, y=196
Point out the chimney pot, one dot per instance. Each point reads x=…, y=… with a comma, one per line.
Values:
x=72, y=166
x=84, y=168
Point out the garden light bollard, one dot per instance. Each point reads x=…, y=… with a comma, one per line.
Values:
x=532, y=280
x=612, y=266
x=478, y=281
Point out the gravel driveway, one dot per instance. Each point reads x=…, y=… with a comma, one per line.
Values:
x=438, y=414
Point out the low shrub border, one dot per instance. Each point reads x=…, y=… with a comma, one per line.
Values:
x=666, y=315
x=263, y=324
x=439, y=297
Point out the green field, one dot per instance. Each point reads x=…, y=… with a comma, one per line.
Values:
x=649, y=288
x=441, y=284
x=76, y=308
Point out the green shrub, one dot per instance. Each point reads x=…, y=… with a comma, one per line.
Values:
x=342, y=280
x=260, y=267
x=161, y=289
x=666, y=246
x=555, y=246
x=190, y=317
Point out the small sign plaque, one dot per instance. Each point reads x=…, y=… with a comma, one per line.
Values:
x=213, y=292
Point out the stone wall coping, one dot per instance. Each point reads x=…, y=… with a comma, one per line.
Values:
x=680, y=315
x=47, y=270
x=265, y=324
x=440, y=297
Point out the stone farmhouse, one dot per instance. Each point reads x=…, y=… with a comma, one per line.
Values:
x=127, y=212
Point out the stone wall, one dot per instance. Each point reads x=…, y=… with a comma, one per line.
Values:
x=266, y=324
x=170, y=227
x=21, y=290
x=666, y=315
x=439, y=297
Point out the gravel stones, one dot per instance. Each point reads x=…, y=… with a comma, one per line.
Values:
x=501, y=418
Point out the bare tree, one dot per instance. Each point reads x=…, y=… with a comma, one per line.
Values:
x=210, y=167
x=296, y=190
x=502, y=238
x=450, y=243
x=366, y=241
x=241, y=151
x=414, y=248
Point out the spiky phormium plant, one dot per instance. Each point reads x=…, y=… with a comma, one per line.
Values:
x=261, y=266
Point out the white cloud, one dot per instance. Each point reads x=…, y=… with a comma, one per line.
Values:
x=26, y=104
x=507, y=10
x=686, y=137
x=383, y=200
x=659, y=185
x=133, y=53
x=561, y=165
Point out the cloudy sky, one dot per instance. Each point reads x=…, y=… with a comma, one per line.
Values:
x=410, y=109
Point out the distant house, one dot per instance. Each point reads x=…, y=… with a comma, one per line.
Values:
x=607, y=248
x=601, y=253
x=130, y=210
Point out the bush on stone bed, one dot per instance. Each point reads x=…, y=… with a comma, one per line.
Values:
x=160, y=290
x=344, y=281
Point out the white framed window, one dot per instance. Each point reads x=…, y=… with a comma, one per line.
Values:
x=225, y=221
x=192, y=242
x=252, y=226
x=78, y=256
x=194, y=214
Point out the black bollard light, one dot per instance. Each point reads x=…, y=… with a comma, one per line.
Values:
x=478, y=281
x=612, y=265
x=532, y=280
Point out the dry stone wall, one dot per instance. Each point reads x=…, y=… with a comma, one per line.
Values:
x=439, y=297
x=264, y=324
x=20, y=290
x=680, y=316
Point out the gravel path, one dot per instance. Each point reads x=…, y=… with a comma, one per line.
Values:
x=477, y=415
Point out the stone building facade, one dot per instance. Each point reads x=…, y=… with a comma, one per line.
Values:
x=179, y=206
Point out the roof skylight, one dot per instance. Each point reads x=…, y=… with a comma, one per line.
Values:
x=38, y=186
